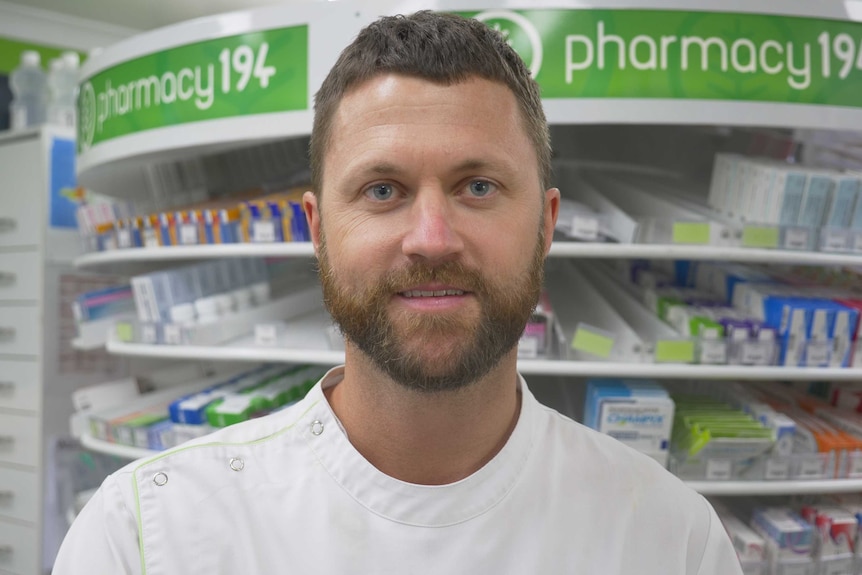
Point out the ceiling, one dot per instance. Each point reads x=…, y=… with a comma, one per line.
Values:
x=144, y=14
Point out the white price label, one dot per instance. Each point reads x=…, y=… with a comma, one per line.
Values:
x=777, y=469
x=585, y=228
x=713, y=352
x=718, y=469
x=151, y=238
x=528, y=346
x=801, y=568
x=188, y=234
x=817, y=353
x=265, y=334
x=811, y=468
x=842, y=566
x=173, y=334
x=263, y=231
x=124, y=238
x=148, y=334
x=834, y=241
x=754, y=353
x=796, y=239
x=855, y=468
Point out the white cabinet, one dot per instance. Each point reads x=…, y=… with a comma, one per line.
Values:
x=34, y=228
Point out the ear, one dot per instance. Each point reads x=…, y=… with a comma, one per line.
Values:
x=312, y=216
x=551, y=211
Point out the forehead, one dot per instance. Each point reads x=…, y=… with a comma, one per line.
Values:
x=410, y=113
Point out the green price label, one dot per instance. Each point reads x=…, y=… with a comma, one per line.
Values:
x=252, y=73
x=674, y=351
x=593, y=343
x=590, y=53
x=760, y=237
x=690, y=233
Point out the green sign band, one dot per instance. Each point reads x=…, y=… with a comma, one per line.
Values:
x=245, y=74
x=686, y=54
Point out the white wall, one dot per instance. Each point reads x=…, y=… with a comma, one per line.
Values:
x=47, y=28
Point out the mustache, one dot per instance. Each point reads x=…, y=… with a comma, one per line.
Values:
x=453, y=273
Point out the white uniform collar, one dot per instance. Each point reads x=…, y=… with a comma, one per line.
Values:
x=420, y=505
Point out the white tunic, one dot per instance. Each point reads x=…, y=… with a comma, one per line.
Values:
x=558, y=498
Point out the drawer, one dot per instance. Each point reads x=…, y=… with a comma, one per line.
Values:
x=23, y=192
x=19, y=276
x=20, y=330
x=19, y=549
x=19, y=494
x=19, y=439
x=20, y=385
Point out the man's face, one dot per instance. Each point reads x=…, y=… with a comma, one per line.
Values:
x=432, y=228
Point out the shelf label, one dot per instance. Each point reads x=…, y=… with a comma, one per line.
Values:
x=124, y=238
x=796, y=239
x=173, y=334
x=760, y=237
x=755, y=353
x=528, y=347
x=811, y=468
x=585, y=228
x=148, y=334
x=855, y=468
x=718, y=469
x=713, y=352
x=691, y=233
x=834, y=241
x=151, y=238
x=263, y=231
x=266, y=334
x=777, y=469
x=841, y=566
x=592, y=342
x=817, y=353
x=674, y=351
x=686, y=54
x=188, y=234
x=255, y=73
x=125, y=332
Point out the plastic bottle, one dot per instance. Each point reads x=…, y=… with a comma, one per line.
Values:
x=62, y=89
x=29, y=92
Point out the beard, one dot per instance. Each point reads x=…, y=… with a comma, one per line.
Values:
x=438, y=351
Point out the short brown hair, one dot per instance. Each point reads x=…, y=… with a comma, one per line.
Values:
x=435, y=46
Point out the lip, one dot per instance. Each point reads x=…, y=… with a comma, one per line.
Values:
x=438, y=300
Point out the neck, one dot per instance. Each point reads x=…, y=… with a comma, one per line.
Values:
x=426, y=438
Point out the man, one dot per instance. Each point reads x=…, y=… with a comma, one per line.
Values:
x=425, y=452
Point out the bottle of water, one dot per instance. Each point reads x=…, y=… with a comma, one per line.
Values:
x=28, y=92
x=62, y=89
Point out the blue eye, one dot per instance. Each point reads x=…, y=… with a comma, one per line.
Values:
x=480, y=188
x=381, y=191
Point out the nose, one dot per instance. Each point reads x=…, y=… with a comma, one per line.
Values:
x=432, y=233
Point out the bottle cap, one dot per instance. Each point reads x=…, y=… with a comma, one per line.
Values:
x=72, y=60
x=31, y=58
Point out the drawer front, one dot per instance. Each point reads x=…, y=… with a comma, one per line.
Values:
x=19, y=276
x=20, y=386
x=19, y=494
x=19, y=439
x=23, y=192
x=19, y=549
x=20, y=330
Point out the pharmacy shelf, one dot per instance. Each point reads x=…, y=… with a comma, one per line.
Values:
x=559, y=249
x=243, y=350
x=776, y=487
x=80, y=345
x=109, y=448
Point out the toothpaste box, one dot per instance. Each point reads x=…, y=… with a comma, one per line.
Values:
x=789, y=538
x=844, y=199
x=788, y=189
x=818, y=194
x=749, y=546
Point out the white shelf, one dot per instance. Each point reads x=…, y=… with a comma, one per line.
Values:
x=776, y=487
x=558, y=249
x=109, y=448
x=81, y=345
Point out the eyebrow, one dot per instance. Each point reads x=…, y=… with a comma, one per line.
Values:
x=468, y=165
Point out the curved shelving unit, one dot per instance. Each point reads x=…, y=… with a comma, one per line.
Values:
x=109, y=448
x=558, y=250
x=776, y=487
